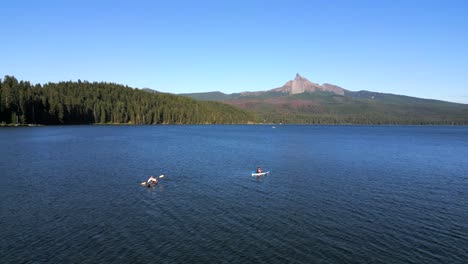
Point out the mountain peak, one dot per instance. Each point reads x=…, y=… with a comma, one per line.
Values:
x=298, y=85
x=301, y=85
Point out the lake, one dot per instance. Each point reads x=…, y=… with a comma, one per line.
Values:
x=335, y=194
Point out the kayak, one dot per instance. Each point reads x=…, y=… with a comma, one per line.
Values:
x=149, y=185
x=152, y=184
x=260, y=173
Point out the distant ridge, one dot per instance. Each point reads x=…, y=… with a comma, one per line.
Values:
x=296, y=86
x=302, y=101
x=212, y=96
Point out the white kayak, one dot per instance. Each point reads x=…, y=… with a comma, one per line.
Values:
x=260, y=173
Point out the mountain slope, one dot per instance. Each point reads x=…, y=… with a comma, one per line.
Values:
x=301, y=101
x=322, y=107
x=211, y=96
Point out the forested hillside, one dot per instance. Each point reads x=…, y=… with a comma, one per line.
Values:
x=325, y=107
x=354, y=108
x=86, y=103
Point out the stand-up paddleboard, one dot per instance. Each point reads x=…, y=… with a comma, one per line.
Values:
x=254, y=173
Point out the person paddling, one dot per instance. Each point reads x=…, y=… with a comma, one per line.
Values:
x=152, y=180
x=259, y=170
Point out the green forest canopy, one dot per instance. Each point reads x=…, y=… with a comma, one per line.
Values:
x=100, y=102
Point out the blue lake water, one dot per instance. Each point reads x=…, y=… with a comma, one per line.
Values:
x=336, y=194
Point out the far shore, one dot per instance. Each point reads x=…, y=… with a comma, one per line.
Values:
x=265, y=124
x=20, y=125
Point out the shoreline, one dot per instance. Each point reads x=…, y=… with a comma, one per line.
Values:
x=240, y=124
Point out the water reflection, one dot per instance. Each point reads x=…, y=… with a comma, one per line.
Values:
x=158, y=187
x=259, y=178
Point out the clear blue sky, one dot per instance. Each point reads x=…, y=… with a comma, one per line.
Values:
x=416, y=48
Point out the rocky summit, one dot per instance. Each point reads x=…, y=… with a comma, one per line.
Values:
x=301, y=85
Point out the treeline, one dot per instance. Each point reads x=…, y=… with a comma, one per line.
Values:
x=84, y=102
x=361, y=119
